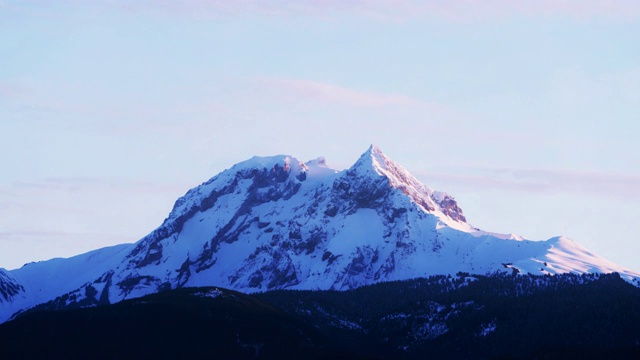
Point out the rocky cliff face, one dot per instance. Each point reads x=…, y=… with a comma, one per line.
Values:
x=276, y=222
x=9, y=287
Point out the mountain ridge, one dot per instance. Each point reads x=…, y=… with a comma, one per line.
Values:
x=279, y=223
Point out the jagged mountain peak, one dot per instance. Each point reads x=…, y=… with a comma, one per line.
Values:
x=375, y=163
x=375, y=160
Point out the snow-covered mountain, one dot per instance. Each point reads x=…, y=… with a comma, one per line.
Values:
x=276, y=222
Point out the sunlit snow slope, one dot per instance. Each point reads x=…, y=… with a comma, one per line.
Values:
x=275, y=222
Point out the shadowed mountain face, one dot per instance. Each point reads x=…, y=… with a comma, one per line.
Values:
x=277, y=223
x=9, y=287
x=441, y=317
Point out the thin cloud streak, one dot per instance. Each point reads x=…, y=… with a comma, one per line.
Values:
x=58, y=203
x=577, y=87
x=296, y=89
x=65, y=216
x=396, y=10
x=9, y=90
x=377, y=10
x=18, y=248
x=92, y=184
x=624, y=186
x=45, y=236
x=321, y=94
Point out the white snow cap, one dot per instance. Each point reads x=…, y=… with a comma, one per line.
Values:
x=375, y=162
x=288, y=162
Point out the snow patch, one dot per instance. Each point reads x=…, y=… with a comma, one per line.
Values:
x=488, y=328
x=210, y=293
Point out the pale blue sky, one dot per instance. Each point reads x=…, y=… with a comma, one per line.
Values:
x=527, y=112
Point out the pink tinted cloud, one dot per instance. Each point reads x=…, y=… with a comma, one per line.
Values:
x=92, y=184
x=66, y=198
x=48, y=235
x=394, y=10
x=299, y=89
x=8, y=90
x=377, y=10
x=321, y=96
x=381, y=10
x=625, y=186
x=64, y=216
x=491, y=9
x=22, y=247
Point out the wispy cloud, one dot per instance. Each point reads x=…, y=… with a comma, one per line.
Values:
x=9, y=90
x=575, y=86
x=492, y=9
x=381, y=10
x=457, y=10
x=326, y=95
x=46, y=236
x=54, y=203
x=59, y=183
x=626, y=186
x=91, y=184
x=64, y=216
x=315, y=97
x=21, y=247
x=299, y=89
